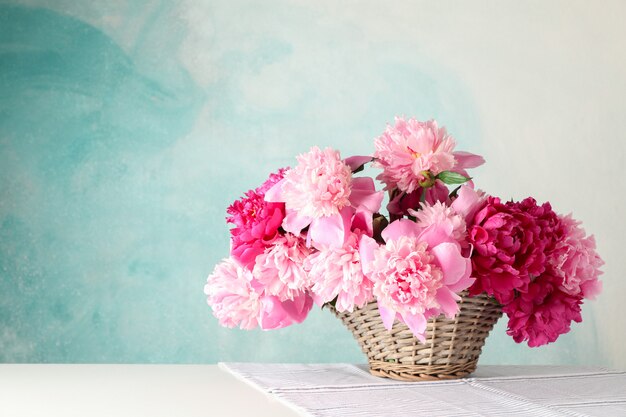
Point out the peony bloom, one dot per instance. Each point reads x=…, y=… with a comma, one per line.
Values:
x=411, y=152
x=280, y=268
x=321, y=194
x=440, y=215
x=406, y=281
x=337, y=272
x=542, y=313
x=319, y=185
x=508, y=248
x=256, y=222
x=575, y=261
x=232, y=296
x=417, y=274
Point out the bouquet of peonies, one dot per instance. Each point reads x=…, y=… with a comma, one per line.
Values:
x=314, y=233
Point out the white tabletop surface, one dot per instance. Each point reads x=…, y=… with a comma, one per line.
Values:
x=130, y=390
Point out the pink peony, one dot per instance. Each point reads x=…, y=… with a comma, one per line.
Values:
x=543, y=312
x=337, y=273
x=280, y=268
x=321, y=194
x=231, y=295
x=508, y=248
x=441, y=215
x=319, y=185
x=405, y=276
x=256, y=222
x=417, y=274
x=411, y=151
x=575, y=261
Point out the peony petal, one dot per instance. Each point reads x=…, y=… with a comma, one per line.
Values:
x=387, y=316
x=294, y=223
x=276, y=314
x=437, y=234
x=465, y=160
x=417, y=324
x=401, y=227
x=448, y=301
x=299, y=308
x=367, y=246
x=331, y=231
x=467, y=202
x=363, y=221
x=273, y=316
x=363, y=194
x=275, y=194
x=356, y=161
x=452, y=264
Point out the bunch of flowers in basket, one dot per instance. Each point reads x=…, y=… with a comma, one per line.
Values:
x=314, y=233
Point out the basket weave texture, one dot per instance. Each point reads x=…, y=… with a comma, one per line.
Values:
x=451, y=349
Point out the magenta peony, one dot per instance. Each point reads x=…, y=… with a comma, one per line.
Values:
x=256, y=222
x=337, y=273
x=231, y=295
x=543, y=312
x=411, y=151
x=280, y=268
x=509, y=247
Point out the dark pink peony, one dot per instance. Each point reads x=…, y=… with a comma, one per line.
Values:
x=508, y=246
x=256, y=222
x=542, y=313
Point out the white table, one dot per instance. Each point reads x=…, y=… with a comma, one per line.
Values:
x=324, y=390
x=130, y=390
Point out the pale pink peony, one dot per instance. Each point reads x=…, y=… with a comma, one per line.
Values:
x=280, y=268
x=417, y=274
x=256, y=222
x=543, y=312
x=411, y=152
x=337, y=272
x=405, y=276
x=575, y=260
x=441, y=215
x=232, y=296
x=319, y=185
x=321, y=194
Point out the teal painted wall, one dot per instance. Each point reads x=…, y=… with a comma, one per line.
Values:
x=126, y=128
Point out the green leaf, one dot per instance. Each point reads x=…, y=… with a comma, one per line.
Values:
x=452, y=178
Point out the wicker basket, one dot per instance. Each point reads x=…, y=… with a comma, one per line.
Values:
x=452, y=345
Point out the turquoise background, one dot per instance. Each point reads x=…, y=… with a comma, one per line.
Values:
x=127, y=128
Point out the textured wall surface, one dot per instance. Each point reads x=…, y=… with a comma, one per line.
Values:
x=127, y=127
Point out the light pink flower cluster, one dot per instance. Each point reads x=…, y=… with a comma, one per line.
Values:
x=421, y=268
x=263, y=282
x=313, y=233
